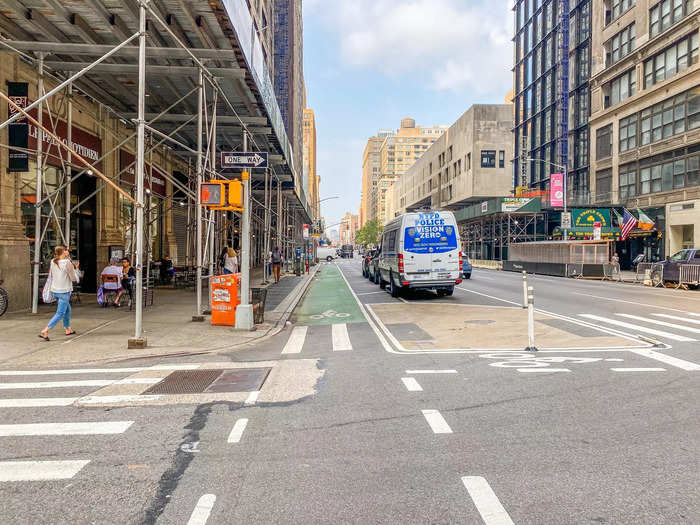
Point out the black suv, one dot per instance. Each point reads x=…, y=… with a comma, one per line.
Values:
x=346, y=251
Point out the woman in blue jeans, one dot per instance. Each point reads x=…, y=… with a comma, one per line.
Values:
x=63, y=273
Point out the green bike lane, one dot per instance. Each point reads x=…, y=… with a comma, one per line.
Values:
x=328, y=301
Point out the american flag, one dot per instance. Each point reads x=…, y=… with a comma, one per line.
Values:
x=629, y=223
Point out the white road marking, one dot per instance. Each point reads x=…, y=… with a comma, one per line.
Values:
x=370, y=293
x=91, y=331
x=341, y=339
x=669, y=360
x=530, y=370
x=656, y=306
x=77, y=371
x=65, y=429
x=38, y=402
x=296, y=340
x=678, y=318
x=57, y=384
x=437, y=422
x=486, y=501
x=252, y=397
x=403, y=300
x=124, y=398
x=40, y=470
x=661, y=323
x=139, y=381
x=614, y=359
x=202, y=510
x=411, y=372
x=638, y=328
x=638, y=369
x=411, y=384
x=237, y=430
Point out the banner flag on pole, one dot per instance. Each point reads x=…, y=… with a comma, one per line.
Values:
x=629, y=224
x=644, y=223
x=618, y=218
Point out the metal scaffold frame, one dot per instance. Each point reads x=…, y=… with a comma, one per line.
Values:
x=205, y=232
x=493, y=233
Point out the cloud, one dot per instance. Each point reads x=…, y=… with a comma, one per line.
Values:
x=446, y=44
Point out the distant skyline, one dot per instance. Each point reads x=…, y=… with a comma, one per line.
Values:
x=370, y=63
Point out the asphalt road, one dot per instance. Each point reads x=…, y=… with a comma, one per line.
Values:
x=390, y=434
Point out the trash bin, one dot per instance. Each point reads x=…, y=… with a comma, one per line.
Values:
x=257, y=299
x=224, y=299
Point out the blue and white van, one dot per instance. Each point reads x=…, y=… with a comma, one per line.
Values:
x=420, y=250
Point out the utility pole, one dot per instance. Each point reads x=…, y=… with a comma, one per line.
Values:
x=244, y=311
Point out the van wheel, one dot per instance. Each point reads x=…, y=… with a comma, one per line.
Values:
x=393, y=289
x=449, y=291
x=382, y=282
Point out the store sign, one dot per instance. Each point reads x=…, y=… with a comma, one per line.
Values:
x=484, y=206
x=513, y=204
x=127, y=167
x=18, y=130
x=84, y=144
x=556, y=189
x=586, y=218
x=305, y=231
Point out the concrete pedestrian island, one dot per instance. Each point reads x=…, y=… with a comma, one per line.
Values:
x=424, y=326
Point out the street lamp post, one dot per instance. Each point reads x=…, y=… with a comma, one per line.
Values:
x=563, y=169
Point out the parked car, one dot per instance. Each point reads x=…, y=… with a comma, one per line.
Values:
x=325, y=253
x=420, y=251
x=672, y=264
x=346, y=251
x=366, y=258
x=373, y=267
x=466, y=268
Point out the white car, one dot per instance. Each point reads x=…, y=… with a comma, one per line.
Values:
x=326, y=253
x=420, y=250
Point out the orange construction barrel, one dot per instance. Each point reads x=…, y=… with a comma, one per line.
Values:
x=224, y=299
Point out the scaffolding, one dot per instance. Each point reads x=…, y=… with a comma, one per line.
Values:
x=488, y=237
x=209, y=99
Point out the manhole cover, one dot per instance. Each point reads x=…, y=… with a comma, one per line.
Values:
x=240, y=380
x=480, y=321
x=185, y=382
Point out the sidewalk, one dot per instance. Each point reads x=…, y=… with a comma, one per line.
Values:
x=102, y=333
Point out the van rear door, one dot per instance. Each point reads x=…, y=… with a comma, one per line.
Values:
x=433, y=236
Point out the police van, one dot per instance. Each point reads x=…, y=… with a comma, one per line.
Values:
x=420, y=250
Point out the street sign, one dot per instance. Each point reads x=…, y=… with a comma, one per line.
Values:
x=596, y=231
x=566, y=221
x=239, y=159
x=305, y=231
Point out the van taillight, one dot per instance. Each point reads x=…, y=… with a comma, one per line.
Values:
x=460, y=261
x=401, y=263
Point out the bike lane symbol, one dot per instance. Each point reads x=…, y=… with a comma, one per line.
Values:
x=330, y=314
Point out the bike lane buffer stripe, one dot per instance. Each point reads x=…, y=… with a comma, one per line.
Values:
x=486, y=501
x=296, y=340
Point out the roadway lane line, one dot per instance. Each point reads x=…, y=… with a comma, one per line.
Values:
x=412, y=372
x=638, y=328
x=202, y=510
x=341, y=339
x=296, y=340
x=65, y=429
x=661, y=323
x=38, y=402
x=252, y=397
x=655, y=306
x=57, y=384
x=678, y=318
x=669, y=360
x=411, y=384
x=436, y=421
x=237, y=430
x=531, y=370
x=638, y=369
x=123, y=398
x=40, y=470
x=486, y=501
x=78, y=371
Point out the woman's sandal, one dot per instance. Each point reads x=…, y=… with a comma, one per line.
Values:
x=72, y=332
x=44, y=337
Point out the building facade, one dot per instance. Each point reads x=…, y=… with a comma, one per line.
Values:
x=348, y=227
x=467, y=163
x=645, y=118
x=371, y=166
x=311, y=179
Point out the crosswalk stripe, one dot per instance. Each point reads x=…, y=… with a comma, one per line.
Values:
x=661, y=323
x=341, y=338
x=296, y=340
x=237, y=430
x=411, y=384
x=678, y=318
x=77, y=371
x=40, y=470
x=65, y=429
x=436, y=421
x=57, y=384
x=638, y=328
x=38, y=402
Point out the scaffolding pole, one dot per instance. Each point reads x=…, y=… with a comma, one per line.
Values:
x=198, y=317
x=244, y=311
x=39, y=178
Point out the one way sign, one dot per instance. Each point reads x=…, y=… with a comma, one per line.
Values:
x=237, y=159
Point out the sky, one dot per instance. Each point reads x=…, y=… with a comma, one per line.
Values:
x=370, y=63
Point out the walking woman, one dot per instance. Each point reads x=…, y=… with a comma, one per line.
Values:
x=230, y=261
x=63, y=273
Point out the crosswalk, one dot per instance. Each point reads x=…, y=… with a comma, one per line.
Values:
x=662, y=326
x=339, y=340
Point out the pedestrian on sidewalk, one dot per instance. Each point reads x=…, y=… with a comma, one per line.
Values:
x=62, y=273
x=230, y=261
x=276, y=258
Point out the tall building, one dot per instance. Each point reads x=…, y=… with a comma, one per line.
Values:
x=289, y=70
x=468, y=163
x=552, y=92
x=371, y=166
x=348, y=228
x=645, y=118
x=311, y=178
x=397, y=154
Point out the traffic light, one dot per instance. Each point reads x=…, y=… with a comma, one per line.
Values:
x=222, y=195
x=212, y=194
x=235, y=193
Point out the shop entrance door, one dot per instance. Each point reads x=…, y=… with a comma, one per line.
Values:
x=86, y=230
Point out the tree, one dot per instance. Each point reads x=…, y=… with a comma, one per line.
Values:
x=369, y=233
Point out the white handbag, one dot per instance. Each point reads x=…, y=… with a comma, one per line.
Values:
x=47, y=294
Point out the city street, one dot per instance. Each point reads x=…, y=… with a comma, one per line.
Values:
x=373, y=409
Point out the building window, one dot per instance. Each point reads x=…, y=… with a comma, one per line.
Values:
x=621, y=88
x=469, y=161
x=603, y=142
x=603, y=186
x=619, y=46
x=666, y=13
x=628, y=182
x=628, y=133
x=619, y=7
x=672, y=60
x=488, y=158
x=501, y=159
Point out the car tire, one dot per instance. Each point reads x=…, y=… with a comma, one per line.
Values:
x=467, y=275
x=449, y=291
x=382, y=282
x=394, y=290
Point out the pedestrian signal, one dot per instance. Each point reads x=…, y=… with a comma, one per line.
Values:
x=212, y=194
x=222, y=195
x=235, y=193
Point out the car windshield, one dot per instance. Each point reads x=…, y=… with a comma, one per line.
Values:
x=679, y=256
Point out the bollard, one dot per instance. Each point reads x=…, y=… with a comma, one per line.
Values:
x=530, y=320
x=524, y=289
